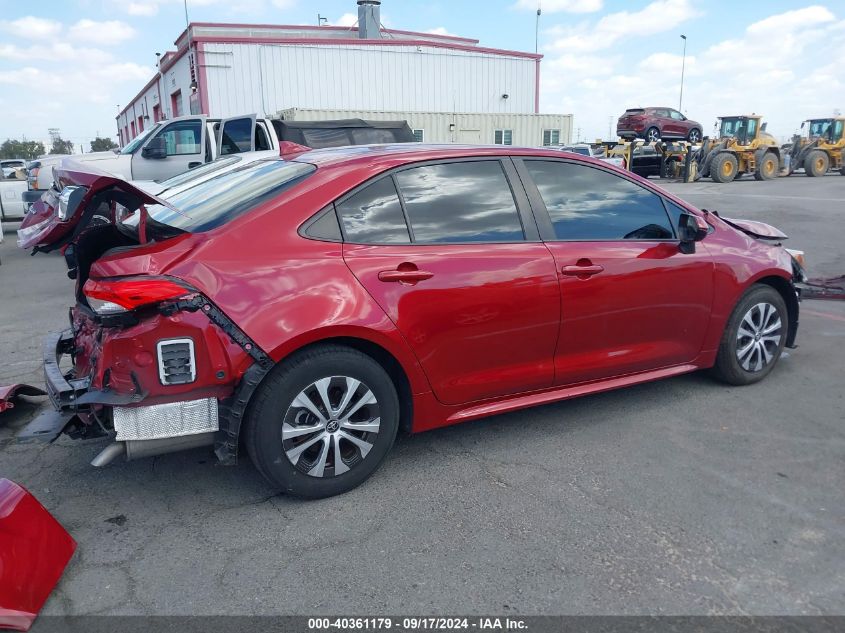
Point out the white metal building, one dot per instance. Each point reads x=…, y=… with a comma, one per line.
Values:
x=228, y=69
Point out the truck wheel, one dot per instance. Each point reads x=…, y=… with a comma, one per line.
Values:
x=723, y=168
x=652, y=135
x=767, y=166
x=322, y=422
x=816, y=163
x=754, y=337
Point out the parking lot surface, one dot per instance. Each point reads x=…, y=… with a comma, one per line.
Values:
x=676, y=497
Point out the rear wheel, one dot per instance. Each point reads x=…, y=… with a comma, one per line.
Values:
x=694, y=135
x=652, y=135
x=767, y=166
x=816, y=163
x=754, y=337
x=322, y=422
x=723, y=168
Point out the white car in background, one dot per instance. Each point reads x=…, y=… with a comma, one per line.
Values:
x=10, y=165
x=585, y=149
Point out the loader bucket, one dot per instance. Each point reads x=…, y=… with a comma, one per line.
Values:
x=34, y=550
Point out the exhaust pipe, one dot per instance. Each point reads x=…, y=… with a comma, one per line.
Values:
x=136, y=449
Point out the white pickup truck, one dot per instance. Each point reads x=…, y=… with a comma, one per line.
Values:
x=12, y=189
x=171, y=147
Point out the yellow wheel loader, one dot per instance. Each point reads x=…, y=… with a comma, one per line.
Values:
x=820, y=147
x=743, y=147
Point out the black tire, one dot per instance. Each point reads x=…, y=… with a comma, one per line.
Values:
x=729, y=368
x=652, y=134
x=694, y=135
x=816, y=163
x=273, y=405
x=767, y=166
x=723, y=167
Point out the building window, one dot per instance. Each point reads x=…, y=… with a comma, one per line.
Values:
x=176, y=103
x=503, y=137
x=156, y=113
x=126, y=134
x=551, y=137
x=132, y=123
x=140, y=124
x=419, y=135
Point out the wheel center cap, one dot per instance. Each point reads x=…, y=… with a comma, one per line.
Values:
x=332, y=426
x=757, y=336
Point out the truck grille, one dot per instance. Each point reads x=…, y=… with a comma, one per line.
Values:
x=176, y=362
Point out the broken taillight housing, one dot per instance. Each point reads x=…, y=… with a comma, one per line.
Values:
x=110, y=296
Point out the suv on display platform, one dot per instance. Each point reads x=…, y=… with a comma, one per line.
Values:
x=311, y=308
x=654, y=124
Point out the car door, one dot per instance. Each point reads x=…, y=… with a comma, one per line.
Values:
x=183, y=141
x=631, y=301
x=677, y=123
x=236, y=135
x=451, y=254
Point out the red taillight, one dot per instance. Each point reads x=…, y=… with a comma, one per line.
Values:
x=117, y=295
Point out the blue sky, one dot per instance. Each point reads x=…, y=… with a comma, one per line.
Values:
x=69, y=63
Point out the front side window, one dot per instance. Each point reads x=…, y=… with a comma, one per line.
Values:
x=503, y=137
x=589, y=204
x=551, y=137
x=460, y=202
x=183, y=137
x=676, y=115
x=373, y=215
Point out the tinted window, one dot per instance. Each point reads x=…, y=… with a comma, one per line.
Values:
x=237, y=136
x=368, y=136
x=328, y=137
x=218, y=200
x=374, y=215
x=460, y=202
x=590, y=204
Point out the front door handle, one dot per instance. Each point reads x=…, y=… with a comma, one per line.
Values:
x=582, y=269
x=194, y=163
x=405, y=276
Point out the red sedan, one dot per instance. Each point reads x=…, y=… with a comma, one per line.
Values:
x=311, y=307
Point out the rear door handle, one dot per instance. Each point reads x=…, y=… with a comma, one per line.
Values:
x=582, y=271
x=405, y=276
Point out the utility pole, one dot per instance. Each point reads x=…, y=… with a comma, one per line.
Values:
x=609, y=127
x=537, y=30
x=683, y=63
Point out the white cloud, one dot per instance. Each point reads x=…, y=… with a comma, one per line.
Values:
x=30, y=27
x=347, y=19
x=656, y=17
x=440, y=30
x=556, y=6
x=284, y=4
x=104, y=33
x=145, y=9
x=786, y=22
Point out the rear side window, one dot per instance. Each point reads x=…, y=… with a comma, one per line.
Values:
x=586, y=203
x=236, y=136
x=373, y=215
x=460, y=202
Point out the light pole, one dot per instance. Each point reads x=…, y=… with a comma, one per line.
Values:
x=683, y=63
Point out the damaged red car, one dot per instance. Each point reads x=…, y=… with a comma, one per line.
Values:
x=308, y=309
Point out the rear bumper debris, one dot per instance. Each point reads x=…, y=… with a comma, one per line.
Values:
x=34, y=551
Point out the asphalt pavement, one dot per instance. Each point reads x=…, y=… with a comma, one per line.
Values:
x=676, y=497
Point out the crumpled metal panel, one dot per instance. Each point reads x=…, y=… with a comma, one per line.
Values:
x=173, y=419
x=10, y=391
x=34, y=551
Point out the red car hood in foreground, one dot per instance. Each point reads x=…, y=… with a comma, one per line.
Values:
x=34, y=550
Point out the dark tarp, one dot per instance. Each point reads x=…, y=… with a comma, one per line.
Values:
x=317, y=134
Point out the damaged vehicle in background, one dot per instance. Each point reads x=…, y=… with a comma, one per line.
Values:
x=309, y=309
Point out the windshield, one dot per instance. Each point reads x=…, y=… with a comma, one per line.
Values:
x=819, y=127
x=739, y=127
x=197, y=172
x=138, y=140
x=222, y=198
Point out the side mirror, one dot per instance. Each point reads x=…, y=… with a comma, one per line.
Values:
x=763, y=127
x=803, y=123
x=691, y=229
x=155, y=148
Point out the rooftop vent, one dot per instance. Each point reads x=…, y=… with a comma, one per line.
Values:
x=369, y=19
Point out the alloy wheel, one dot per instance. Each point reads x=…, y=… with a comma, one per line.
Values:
x=330, y=425
x=653, y=135
x=758, y=337
x=694, y=136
